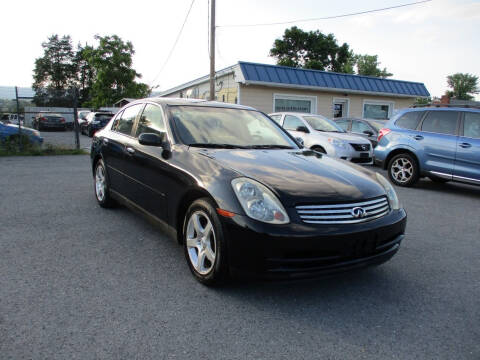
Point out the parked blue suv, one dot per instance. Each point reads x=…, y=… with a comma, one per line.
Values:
x=442, y=143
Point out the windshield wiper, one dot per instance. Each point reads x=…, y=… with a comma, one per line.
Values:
x=217, y=146
x=269, y=147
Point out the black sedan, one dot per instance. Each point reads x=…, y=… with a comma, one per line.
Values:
x=241, y=194
x=368, y=128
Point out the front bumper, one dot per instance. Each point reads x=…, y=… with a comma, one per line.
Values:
x=358, y=157
x=307, y=250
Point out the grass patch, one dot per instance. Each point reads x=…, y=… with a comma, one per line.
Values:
x=11, y=147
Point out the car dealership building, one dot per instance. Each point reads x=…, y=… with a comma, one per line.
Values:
x=272, y=88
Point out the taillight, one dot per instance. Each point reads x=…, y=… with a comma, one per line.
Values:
x=382, y=133
x=62, y=120
x=43, y=119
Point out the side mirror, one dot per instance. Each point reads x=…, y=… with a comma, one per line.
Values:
x=302, y=129
x=152, y=139
x=368, y=132
x=300, y=141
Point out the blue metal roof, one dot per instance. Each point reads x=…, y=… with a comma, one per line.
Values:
x=263, y=73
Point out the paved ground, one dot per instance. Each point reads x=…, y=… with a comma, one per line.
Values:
x=80, y=282
x=66, y=139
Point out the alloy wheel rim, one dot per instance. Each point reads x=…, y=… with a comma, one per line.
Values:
x=100, y=183
x=201, y=242
x=402, y=170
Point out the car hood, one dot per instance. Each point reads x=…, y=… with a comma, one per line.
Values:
x=356, y=139
x=300, y=176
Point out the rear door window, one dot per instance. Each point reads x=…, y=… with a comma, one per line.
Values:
x=277, y=118
x=409, y=120
x=441, y=122
x=471, y=125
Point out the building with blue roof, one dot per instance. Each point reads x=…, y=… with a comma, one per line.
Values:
x=272, y=88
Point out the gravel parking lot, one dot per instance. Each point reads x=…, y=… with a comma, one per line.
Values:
x=81, y=282
x=65, y=139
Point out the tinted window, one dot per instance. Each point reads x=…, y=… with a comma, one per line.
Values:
x=292, y=122
x=115, y=122
x=442, y=122
x=359, y=127
x=471, y=125
x=343, y=124
x=277, y=118
x=321, y=123
x=125, y=123
x=151, y=121
x=409, y=120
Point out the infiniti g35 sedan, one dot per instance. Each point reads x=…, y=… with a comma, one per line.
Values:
x=240, y=194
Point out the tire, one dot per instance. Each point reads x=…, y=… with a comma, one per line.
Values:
x=211, y=267
x=403, y=170
x=101, y=186
x=438, y=179
x=318, y=149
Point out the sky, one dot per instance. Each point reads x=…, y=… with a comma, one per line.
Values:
x=422, y=43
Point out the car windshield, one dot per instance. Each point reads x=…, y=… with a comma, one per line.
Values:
x=322, y=124
x=377, y=124
x=228, y=128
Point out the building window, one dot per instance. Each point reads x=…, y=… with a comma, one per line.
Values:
x=377, y=110
x=223, y=98
x=293, y=103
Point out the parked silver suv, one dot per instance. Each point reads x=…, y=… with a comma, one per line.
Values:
x=323, y=135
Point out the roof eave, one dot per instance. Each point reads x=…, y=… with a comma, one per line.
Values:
x=329, y=89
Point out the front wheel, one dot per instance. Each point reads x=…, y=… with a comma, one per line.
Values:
x=102, y=186
x=204, y=244
x=403, y=170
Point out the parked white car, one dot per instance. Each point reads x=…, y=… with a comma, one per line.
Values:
x=323, y=135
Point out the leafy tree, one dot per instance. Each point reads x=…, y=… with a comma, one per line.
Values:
x=423, y=101
x=115, y=78
x=85, y=72
x=312, y=50
x=463, y=85
x=369, y=65
x=54, y=72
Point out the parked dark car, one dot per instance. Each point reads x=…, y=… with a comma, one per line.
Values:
x=46, y=120
x=95, y=121
x=240, y=193
x=368, y=128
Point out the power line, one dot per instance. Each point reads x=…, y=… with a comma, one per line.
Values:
x=327, y=17
x=174, y=44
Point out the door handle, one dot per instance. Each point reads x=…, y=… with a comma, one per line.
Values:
x=465, y=145
x=418, y=137
x=130, y=150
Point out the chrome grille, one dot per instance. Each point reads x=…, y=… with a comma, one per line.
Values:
x=344, y=213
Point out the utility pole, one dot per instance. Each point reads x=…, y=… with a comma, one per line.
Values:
x=212, y=50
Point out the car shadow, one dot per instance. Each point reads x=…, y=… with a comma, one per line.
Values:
x=449, y=187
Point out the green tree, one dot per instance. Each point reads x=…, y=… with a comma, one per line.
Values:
x=85, y=72
x=54, y=72
x=114, y=78
x=369, y=65
x=463, y=85
x=312, y=50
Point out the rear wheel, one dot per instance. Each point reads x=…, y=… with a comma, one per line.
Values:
x=204, y=243
x=403, y=170
x=102, y=186
x=318, y=149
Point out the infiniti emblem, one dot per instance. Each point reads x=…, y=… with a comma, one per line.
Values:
x=358, y=212
x=364, y=147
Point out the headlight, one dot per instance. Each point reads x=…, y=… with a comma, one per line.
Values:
x=337, y=143
x=391, y=194
x=259, y=202
x=36, y=133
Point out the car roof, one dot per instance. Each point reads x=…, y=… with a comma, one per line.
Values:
x=196, y=102
x=292, y=113
x=440, y=108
